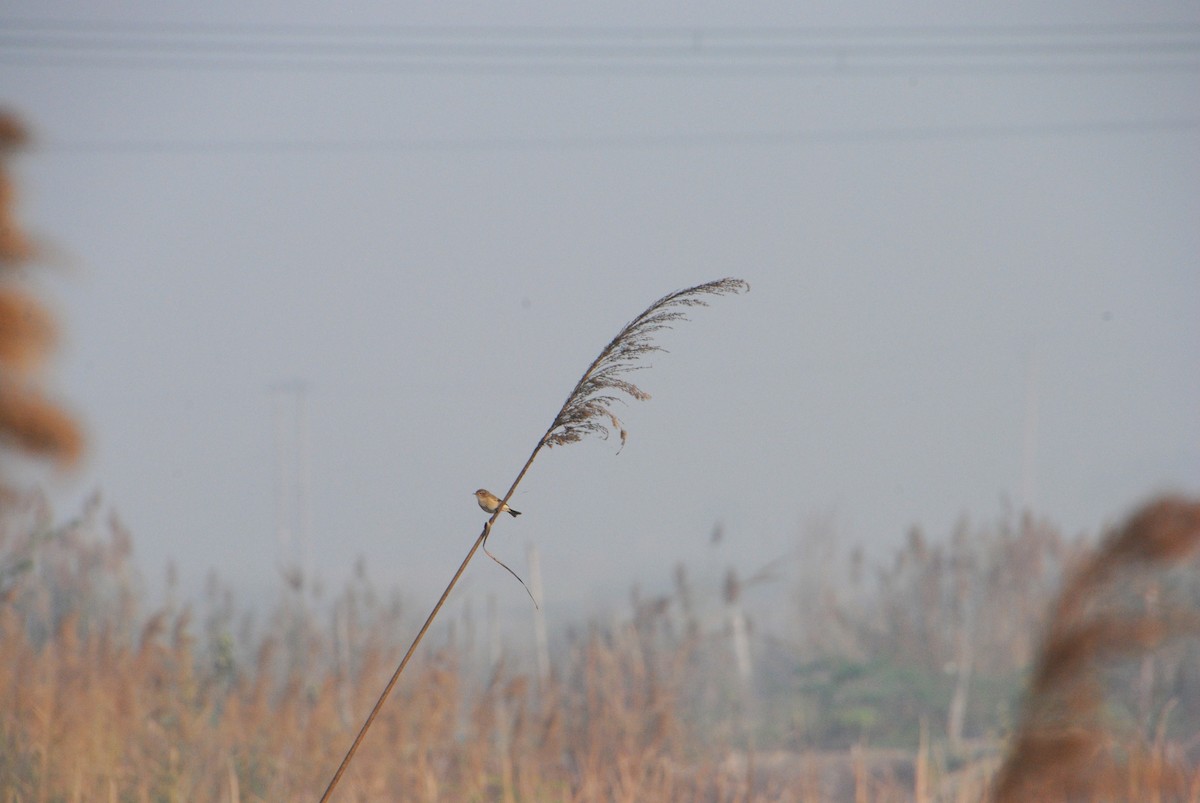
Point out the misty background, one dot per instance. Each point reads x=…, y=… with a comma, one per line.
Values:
x=331, y=273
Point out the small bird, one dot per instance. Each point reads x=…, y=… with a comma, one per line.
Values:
x=488, y=501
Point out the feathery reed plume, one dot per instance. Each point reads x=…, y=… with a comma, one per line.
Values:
x=26, y=330
x=31, y=423
x=1064, y=749
x=28, y=421
x=587, y=410
x=14, y=244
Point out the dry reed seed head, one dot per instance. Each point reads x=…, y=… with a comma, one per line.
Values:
x=13, y=133
x=1163, y=531
x=588, y=408
x=1077, y=650
x=32, y=424
x=1067, y=764
x=1062, y=731
x=15, y=247
x=8, y=195
x=26, y=330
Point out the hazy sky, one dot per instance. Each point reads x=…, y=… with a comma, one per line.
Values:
x=437, y=229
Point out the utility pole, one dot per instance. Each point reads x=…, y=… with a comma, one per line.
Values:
x=540, y=642
x=293, y=480
x=1030, y=434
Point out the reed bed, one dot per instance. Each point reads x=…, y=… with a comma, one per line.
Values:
x=106, y=698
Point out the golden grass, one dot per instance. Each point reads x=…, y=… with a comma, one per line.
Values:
x=100, y=701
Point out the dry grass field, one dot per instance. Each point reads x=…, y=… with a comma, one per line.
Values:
x=904, y=686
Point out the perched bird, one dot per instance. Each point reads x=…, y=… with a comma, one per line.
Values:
x=488, y=501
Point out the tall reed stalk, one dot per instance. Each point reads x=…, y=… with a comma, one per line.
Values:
x=587, y=411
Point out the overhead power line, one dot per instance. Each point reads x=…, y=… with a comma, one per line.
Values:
x=569, y=50
x=607, y=31
x=626, y=141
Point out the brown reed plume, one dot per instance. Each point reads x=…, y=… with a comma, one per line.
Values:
x=1064, y=748
x=28, y=420
x=587, y=410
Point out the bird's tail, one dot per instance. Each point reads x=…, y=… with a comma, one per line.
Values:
x=513, y=513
